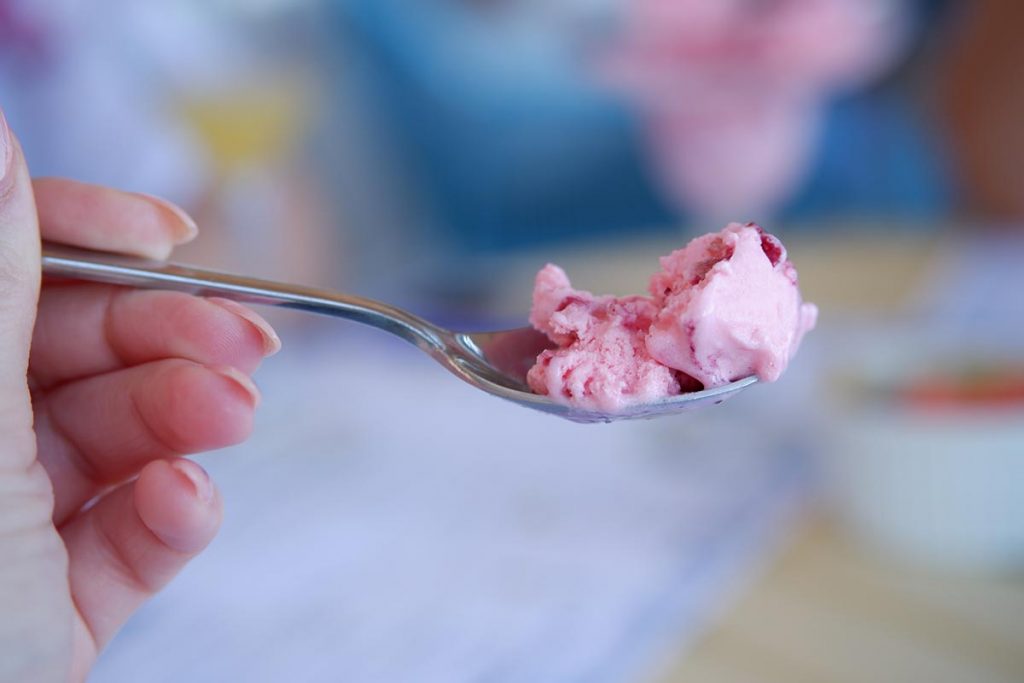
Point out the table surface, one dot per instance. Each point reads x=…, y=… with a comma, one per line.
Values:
x=825, y=610
x=830, y=610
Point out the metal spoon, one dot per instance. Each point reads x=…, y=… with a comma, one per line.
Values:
x=495, y=362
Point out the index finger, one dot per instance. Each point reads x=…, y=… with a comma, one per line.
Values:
x=104, y=219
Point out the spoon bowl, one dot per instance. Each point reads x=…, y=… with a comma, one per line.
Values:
x=495, y=362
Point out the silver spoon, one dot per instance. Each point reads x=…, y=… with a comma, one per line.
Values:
x=495, y=362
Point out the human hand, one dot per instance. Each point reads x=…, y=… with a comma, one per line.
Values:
x=118, y=384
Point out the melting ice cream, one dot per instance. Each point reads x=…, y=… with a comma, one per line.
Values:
x=724, y=307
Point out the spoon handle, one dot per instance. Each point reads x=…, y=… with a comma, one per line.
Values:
x=82, y=264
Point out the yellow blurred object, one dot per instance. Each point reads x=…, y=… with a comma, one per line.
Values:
x=829, y=611
x=263, y=212
x=249, y=125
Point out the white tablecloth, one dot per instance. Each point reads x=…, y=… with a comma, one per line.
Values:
x=388, y=523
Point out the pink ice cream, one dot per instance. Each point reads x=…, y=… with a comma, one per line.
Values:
x=725, y=307
x=602, y=361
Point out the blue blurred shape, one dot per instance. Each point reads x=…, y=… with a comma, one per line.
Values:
x=499, y=121
x=499, y=124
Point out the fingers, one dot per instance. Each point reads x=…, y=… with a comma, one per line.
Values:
x=19, y=289
x=101, y=218
x=99, y=431
x=84, y=330
x=132, y=542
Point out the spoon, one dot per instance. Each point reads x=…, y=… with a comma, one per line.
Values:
x=496, y=362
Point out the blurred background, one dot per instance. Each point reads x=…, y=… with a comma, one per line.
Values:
x=863, y=519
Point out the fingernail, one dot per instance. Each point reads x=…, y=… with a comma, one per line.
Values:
x=185, y=228
x=6, y=147
x=271, y=342
x=197, y=476
x=242, y=380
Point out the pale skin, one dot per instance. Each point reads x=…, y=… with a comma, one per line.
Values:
x=102, y=390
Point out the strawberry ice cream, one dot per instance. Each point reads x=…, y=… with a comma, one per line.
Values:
x=725, y=307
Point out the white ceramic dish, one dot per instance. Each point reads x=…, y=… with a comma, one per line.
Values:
x=939, y=482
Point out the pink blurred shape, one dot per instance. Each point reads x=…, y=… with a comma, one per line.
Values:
x=732, y=91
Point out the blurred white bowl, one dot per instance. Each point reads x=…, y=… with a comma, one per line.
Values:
x=944, y=489
x=930, y=467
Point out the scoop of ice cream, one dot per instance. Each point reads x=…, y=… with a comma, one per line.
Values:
x=724, y=307
x=729, y=307
x=602, y=361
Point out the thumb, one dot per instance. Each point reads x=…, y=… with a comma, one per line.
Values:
x=19, y=293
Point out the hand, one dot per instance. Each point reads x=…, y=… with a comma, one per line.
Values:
x=119, y=383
